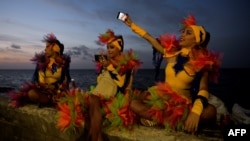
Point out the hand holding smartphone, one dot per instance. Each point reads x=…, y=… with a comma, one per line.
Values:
x=121, y=16
x=100, y=57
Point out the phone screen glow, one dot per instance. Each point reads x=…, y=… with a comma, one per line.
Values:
x=122, y=16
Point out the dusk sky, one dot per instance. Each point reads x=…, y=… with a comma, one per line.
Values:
x=78, y=23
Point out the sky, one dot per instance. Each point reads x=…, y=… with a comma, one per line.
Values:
x=78, y=23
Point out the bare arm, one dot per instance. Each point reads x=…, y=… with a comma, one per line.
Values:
x=204, y=83
x=144, y=34
x=203, y=92
x=193, y=118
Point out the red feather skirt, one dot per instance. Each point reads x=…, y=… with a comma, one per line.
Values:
x=168, y=108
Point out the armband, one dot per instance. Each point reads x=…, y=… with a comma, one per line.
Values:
x=200, y=102
x=203, y=100
x=203, y=93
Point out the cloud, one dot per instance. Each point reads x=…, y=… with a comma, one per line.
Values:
x=77, y=24
x=83, y=52
x=9, y=38
x=70, y=5
x=83, y=55
x=15, y=46
x=98, y=43
x=20, y=31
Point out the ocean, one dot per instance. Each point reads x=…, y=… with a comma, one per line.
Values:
x=83, y=78
x=231, y=88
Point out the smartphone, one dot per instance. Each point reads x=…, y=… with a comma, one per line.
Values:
x=121, y=16
x=99, y=57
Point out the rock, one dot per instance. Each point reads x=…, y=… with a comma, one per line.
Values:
x=32, y=123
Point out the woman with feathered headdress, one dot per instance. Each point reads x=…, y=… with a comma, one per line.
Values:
x=114, y=79
x=50, y=79
x=107, y=102
x=189, y=66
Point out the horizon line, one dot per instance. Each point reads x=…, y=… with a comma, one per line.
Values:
x=138, y=69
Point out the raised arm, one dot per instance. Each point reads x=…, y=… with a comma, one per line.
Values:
x=144, y=34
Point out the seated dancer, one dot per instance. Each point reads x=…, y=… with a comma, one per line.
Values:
x=50, y=79
x=108, y=101
x=189, y=67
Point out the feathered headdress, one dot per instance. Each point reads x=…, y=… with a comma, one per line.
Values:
x=199, y=31
x=106, y=37
x=50, y=38
x=169, y=42
x=188, y=21
x=109, y=37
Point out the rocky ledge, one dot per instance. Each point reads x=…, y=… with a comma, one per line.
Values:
x=31, y=123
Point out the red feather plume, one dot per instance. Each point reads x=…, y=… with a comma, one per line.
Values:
x=189, y=20
x=168, y=41
x=104, y=38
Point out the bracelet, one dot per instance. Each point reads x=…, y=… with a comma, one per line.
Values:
x=203, y=100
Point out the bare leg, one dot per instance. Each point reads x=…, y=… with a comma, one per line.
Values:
x=36, y=96
x=33, y=95
x=208, y=115
x=95, y=118
x=140, y=109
